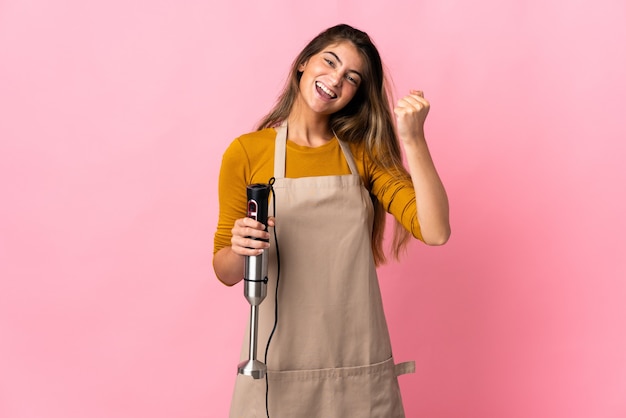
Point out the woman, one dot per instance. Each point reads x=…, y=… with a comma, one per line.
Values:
x=331, y=145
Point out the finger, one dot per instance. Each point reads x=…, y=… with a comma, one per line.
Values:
x=419, y=95
x=408, y=107
x=250, y=243
x=406, y=104
x=417, y=100
x=249, y=223
x=245, y=251
x=247, y=227
x=414, y=99
x=248, y=246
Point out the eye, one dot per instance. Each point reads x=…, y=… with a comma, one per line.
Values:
x=351, y=79
x=330, y=62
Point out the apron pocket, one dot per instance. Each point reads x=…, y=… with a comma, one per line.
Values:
x=248, y=398
x=363, y=391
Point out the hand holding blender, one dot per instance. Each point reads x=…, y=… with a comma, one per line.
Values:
x=255, y=279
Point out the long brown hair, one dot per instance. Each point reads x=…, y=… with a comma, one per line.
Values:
x=366, y=119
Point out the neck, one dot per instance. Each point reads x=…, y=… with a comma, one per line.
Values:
x=308, y=128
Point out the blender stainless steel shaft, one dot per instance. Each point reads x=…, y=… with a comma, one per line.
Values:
x=255, y=280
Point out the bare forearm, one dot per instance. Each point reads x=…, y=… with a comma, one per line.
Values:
x=228, y=266
x=430, y=194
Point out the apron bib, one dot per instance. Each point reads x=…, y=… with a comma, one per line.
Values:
x=330, y=356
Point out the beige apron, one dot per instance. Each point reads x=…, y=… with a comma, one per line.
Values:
x=330, y=356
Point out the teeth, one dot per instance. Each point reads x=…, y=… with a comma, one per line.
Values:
x=325, y=89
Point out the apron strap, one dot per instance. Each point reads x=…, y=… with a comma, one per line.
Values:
x=348, y=154
x=279, y=151
x=404, y=368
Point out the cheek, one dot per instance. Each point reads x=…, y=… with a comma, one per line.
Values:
x=349, y=91
x=302, y=81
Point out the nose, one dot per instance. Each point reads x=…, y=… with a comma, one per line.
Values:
x=336, y=78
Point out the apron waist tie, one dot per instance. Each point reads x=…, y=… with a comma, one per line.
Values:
x=404, y=368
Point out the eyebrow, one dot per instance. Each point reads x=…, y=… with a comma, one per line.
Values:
x=340, y=62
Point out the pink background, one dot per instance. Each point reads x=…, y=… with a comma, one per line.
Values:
x=113, y=119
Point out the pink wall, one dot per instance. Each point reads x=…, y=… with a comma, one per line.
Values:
x=113, y=118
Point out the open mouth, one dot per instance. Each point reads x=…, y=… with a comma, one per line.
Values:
x=325, y=91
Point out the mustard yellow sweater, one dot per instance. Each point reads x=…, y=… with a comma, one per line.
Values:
x=250, y=159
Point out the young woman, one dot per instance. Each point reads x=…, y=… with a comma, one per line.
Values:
x=333, y=147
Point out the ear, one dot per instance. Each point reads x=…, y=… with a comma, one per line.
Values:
x=302, y=66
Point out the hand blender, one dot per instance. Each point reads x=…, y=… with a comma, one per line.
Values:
x=255, y=280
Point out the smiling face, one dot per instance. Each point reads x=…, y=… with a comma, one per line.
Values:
x=331, y=78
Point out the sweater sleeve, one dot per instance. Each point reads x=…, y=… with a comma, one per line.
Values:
x=395, y=192
x=248, y=159
x=233, y=179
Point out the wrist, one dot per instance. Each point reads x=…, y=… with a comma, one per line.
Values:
x=414, y=141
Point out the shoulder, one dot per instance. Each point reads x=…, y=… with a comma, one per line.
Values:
x=251, y=143
x=257, y=138
x=358, y=150
x=362, y=157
